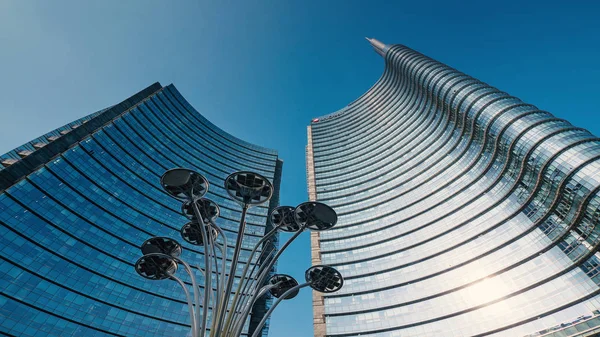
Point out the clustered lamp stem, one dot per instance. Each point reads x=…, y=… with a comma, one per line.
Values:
x=242, y=286
x=270, y=311
x=232, y=269
x=189, y=302
x=161, y=255
x=207, y=263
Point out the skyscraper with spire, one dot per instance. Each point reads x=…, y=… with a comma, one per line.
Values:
x=463, y=211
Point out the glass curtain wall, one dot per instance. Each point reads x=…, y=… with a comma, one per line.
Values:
x=463, y=211
x=77, y=205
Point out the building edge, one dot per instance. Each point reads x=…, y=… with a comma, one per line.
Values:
x=318, y=303
x=33, y=161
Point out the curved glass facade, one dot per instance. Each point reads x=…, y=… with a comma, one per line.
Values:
x=77, y=203
x=462, y=210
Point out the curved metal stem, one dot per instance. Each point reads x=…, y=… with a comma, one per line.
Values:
x=188, y=269
x=246, y=293
x=234, y=259
x=270, y=311
x=243, y=276
x=214, y=254
x=208, y=293
x=207, y=267
x=189, y=302
x=249, y=282
x=238, y=323
x=263, y=271
x=220, y=285
x=270, y=265
x=223, y=256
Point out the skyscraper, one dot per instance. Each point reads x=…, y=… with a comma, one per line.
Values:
x=77, y=203
x=463, y=211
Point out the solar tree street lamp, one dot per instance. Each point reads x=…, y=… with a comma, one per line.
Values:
x=161, y=255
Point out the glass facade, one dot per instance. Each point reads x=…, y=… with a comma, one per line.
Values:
x=77, y=203
x=463, y=211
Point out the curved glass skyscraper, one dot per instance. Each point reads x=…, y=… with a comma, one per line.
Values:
x=463, y=211
x=77, y=203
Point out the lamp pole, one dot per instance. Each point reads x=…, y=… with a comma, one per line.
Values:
x=162, y=255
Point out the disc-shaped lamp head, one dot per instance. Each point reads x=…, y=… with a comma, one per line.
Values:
x=192, y=233
x=162, y=245
x=283, y=283
x=315, y=216
x=156, y=266
x=209, y=210
x=282, y=218
x=248, y=188
x=184, y=184
x=324, y=279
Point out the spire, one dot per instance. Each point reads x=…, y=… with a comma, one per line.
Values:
x=380, y=47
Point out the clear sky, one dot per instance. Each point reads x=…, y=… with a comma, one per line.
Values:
x=262, y=70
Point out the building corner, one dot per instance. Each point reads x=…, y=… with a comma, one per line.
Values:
x=315, y=248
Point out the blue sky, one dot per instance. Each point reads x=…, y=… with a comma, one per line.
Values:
x=251, y=66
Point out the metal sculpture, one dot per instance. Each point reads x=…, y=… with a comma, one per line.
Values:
x=230, y=306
